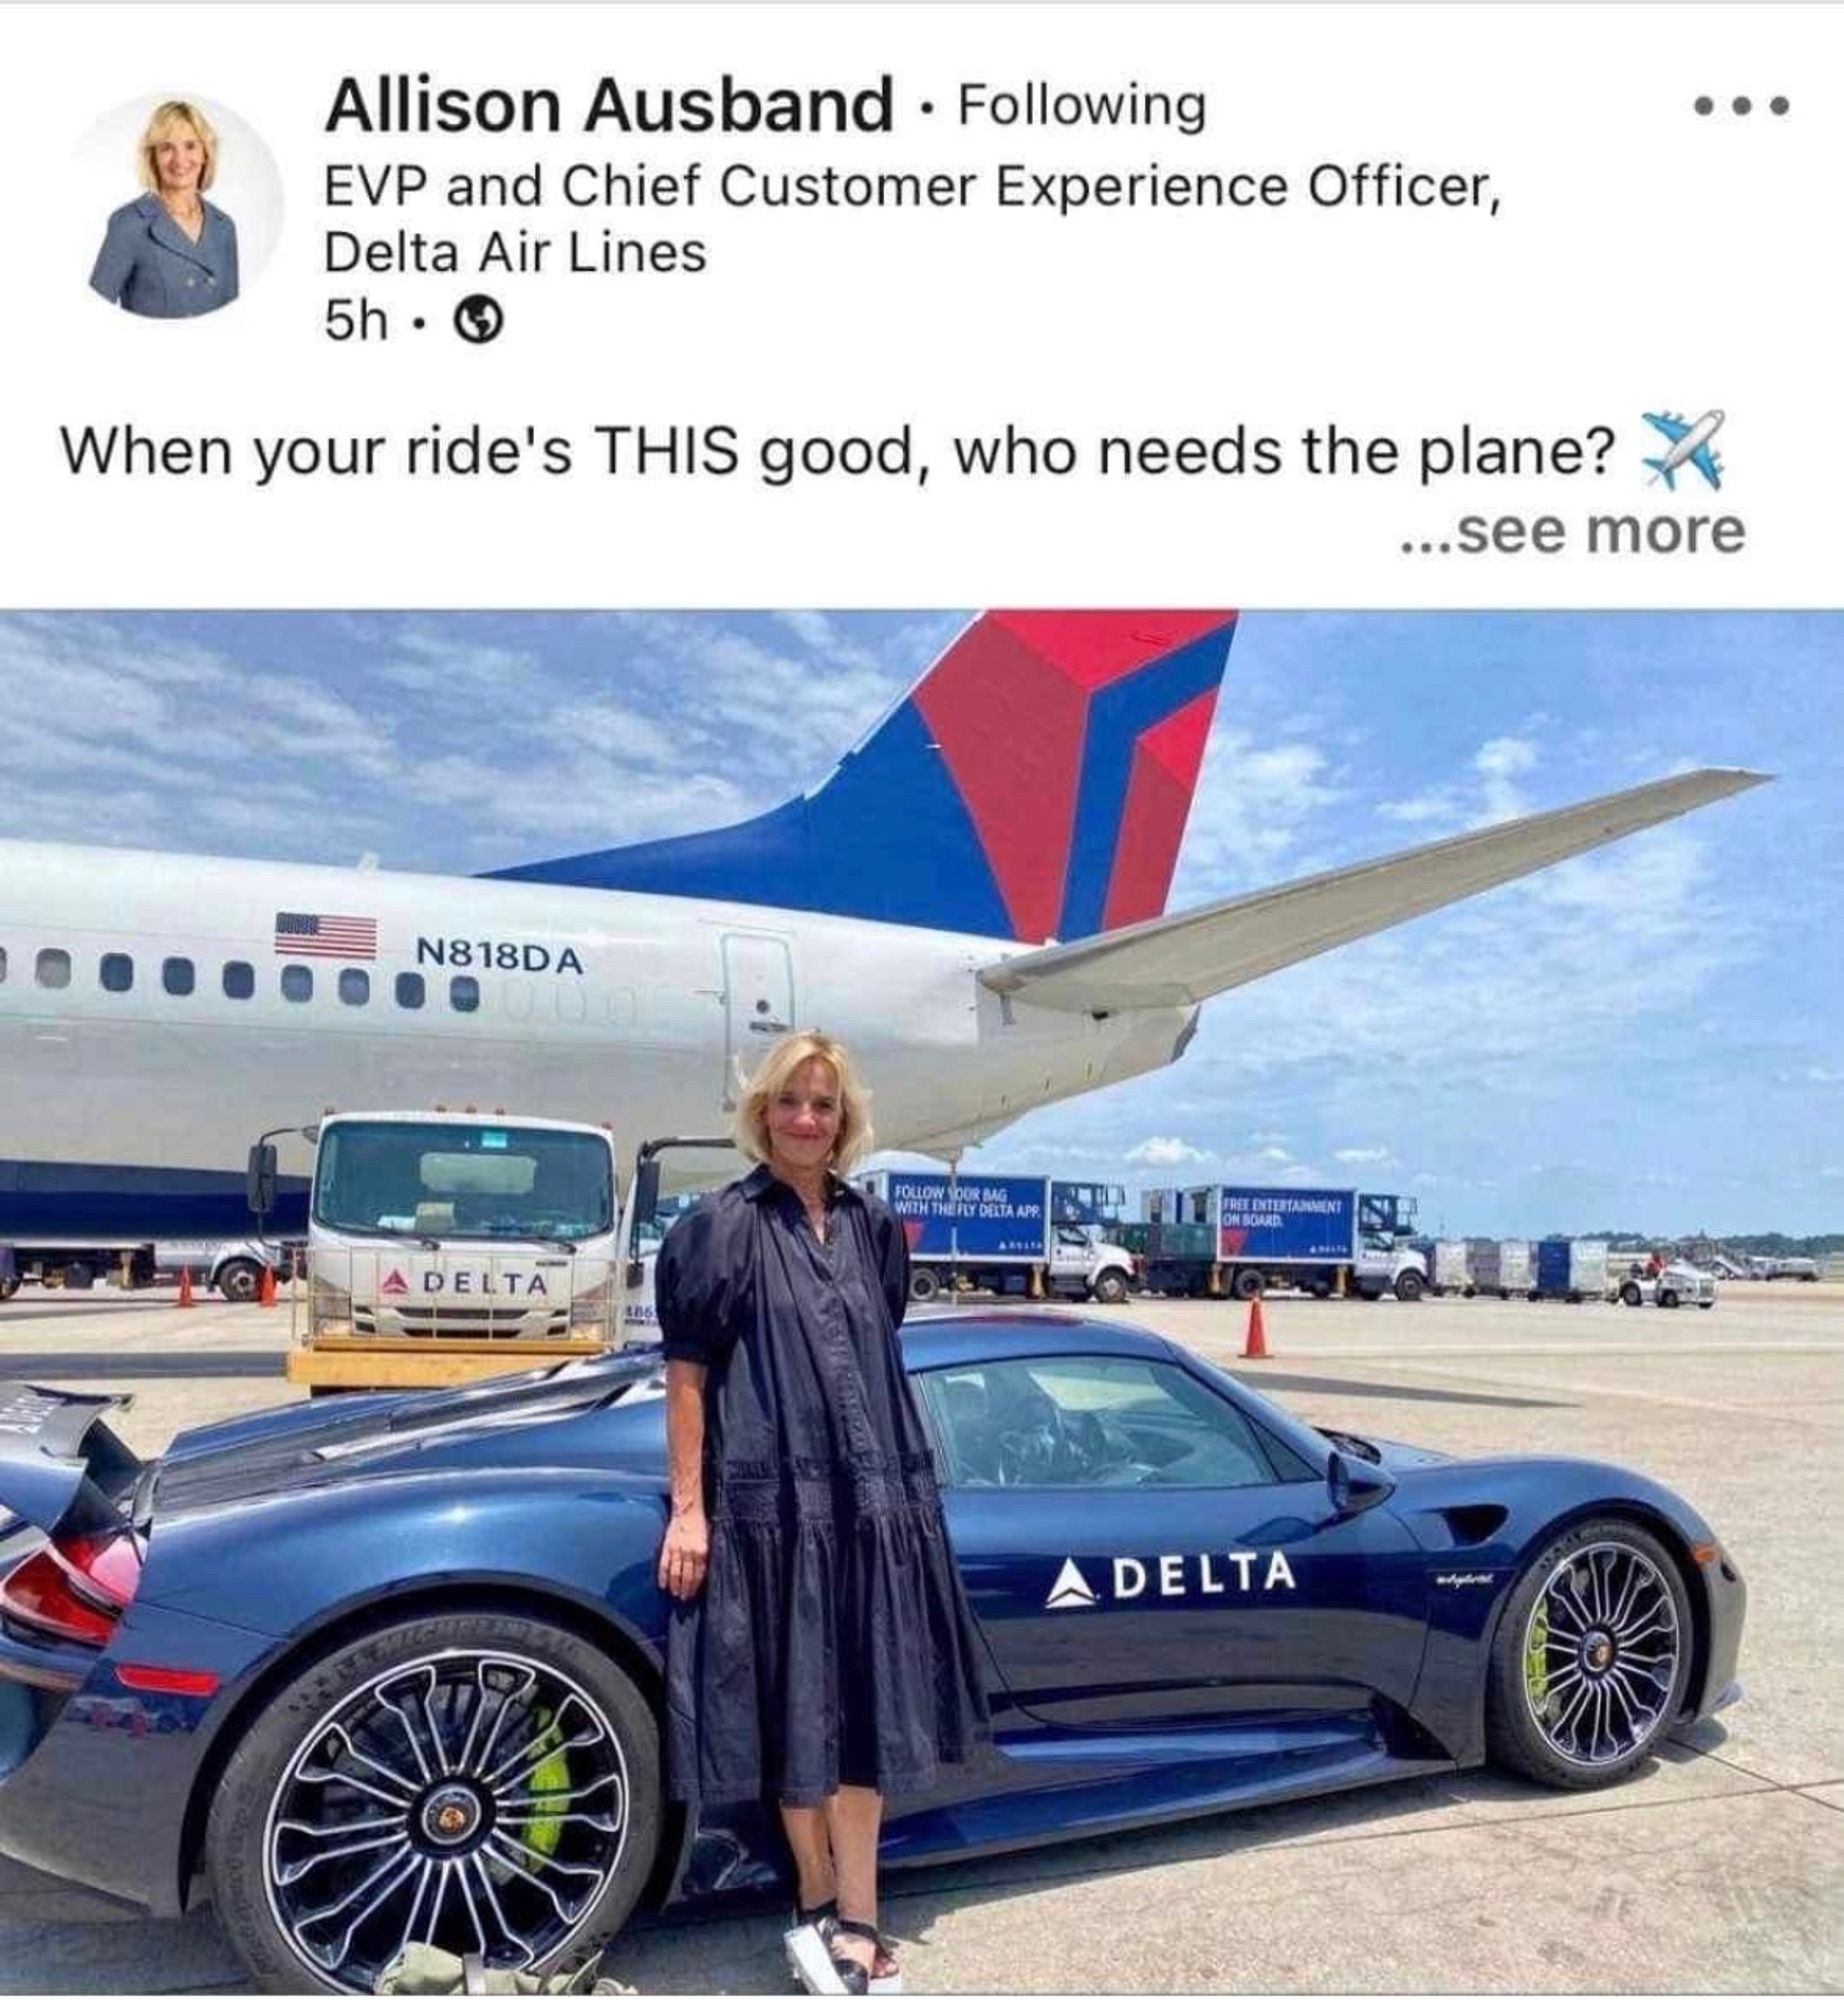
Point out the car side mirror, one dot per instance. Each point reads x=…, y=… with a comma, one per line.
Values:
x=259, y=1182
x=1354, y=1486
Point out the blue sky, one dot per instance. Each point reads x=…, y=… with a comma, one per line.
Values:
x=1648, y=1037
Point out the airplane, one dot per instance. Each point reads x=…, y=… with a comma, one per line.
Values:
x=1690, y=445
x=974, y=900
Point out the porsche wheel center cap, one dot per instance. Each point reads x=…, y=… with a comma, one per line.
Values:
x=450, y=1814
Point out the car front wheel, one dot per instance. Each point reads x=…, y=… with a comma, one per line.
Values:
x=1589, y=1665
x=483, y=1782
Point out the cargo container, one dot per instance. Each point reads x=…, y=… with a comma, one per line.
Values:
x=1320, y=1239
x=1001, y=1233
x=1502, y=1269
x=1451, y=1268
x=1570, y=1268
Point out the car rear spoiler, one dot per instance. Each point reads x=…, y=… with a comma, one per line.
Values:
x=60, y=1464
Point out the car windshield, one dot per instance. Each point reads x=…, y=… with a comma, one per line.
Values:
x=487, y=1181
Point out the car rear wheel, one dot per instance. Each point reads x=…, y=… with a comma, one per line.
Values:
x=1588, y=1668
x=483, y=1782
x=1630, y=1294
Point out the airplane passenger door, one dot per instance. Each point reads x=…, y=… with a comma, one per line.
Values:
x=758, y=1000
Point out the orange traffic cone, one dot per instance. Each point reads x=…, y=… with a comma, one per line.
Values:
x=1255, y=1347
x=266, y=1297
x=185, y=1286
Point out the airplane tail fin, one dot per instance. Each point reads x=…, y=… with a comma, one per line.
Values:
x=1034, y=783
x=1664, y=472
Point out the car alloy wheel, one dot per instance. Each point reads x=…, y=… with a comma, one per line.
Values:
x=478, y=1800
x=1600, y=1653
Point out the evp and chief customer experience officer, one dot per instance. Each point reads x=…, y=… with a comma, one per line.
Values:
x=171, y=254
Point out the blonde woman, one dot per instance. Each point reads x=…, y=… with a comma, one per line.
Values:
x=171, y=254
x=821, y=1654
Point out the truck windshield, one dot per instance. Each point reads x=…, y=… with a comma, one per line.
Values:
x=394, y=1178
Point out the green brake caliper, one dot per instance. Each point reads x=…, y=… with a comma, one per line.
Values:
x=548, y=1781
x=1536, y=1659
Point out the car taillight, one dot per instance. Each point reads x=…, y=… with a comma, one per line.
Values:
x=75, y=1590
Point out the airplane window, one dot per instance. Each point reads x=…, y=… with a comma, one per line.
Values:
x=176, y=976
x=54, y=968
x=464, y=993
x=409, y=989
x=354, y=986
x=297, y=982
x=117, y=972
x=239, y=979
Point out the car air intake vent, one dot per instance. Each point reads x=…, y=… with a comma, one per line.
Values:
x=1470, y=1526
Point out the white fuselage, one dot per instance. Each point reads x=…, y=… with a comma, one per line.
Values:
x=591, y=1004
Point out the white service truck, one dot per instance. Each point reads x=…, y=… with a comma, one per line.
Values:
x=445, y=1246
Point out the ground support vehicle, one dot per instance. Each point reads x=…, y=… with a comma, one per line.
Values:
x=76, y=1262
x=1503, y=1269
x=233, y=1270
x=1322, y=1240
x=392, y=1667
x=1006, y=1233
x=1572, y=1268
x=1675, y=1285
x=1450, y=1269
x=447, y=1246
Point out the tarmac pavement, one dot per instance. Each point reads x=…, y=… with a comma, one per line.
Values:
x=1718, y=1868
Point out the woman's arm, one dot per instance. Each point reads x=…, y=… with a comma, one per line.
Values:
x=115, y=260
x=685, y=1554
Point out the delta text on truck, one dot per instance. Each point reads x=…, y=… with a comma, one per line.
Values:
x=1007, y=1233
x=1241, y=1241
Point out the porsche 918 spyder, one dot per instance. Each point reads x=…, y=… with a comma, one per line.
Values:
x=389, y=1667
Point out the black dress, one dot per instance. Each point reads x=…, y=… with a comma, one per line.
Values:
x=831, y=1643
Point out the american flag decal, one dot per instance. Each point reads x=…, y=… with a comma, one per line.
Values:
x=303, y=934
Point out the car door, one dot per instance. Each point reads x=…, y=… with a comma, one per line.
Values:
x=1138, y=1550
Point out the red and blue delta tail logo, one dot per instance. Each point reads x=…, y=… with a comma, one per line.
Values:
x=1033, y=784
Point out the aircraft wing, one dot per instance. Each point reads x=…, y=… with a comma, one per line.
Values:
x=1173, y=961
x=1709, y=465
x=1673, y=427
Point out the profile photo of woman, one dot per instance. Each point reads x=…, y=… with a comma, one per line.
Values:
x=822, y=1654
x=171, y=254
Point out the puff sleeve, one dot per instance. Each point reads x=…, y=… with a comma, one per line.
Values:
x=695, y=1285
x=892, y=1260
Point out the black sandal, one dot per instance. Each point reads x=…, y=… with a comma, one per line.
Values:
x=889, y=1981
x=811, y=1958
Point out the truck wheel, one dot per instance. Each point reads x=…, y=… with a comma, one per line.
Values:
x=1322, y=1288
x=1110, y=1287
x=1668, y=1300
x=1247, y=1285
x=1409, y=1286
x=8, y=1286
x=239, y=1280
x=1630, y=1294
x=924, y=1284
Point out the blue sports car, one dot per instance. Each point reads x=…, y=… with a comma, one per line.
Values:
x=389, y=1667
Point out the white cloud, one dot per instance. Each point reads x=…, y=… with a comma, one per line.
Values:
x=1164, y=1152
x=1362, y=1156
